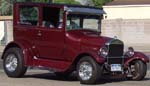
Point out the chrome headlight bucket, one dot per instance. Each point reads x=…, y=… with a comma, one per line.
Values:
x=130, y=52
x=104, y=51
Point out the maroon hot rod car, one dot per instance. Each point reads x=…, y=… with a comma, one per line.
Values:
x=67, y=38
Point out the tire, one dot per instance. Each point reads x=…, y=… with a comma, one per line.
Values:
x=90, y=66
x=13, y=63
x=140, y=69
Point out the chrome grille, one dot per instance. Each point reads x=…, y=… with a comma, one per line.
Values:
x=115, y=50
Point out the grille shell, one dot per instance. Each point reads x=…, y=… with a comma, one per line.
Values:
x=115, y=52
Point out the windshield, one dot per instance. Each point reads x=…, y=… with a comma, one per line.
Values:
x=83, y=21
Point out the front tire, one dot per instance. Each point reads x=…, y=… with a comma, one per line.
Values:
x=138, y=70
x=88, y=70
x=13, y=63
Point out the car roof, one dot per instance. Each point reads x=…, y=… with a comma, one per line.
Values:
x=56, y=4
x=69, y=8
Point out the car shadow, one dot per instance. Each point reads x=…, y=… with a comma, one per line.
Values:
x=51, y=76
x=73, y=78
x=105, y=80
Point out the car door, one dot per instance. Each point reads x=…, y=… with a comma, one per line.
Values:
x=51, y=34
x=26, y=25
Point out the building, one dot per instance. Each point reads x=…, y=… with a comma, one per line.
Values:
x=129, y=20
x=128, y=9
x=6, y=31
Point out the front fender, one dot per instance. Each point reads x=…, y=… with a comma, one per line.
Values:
x=94, y=55
x=137, y=56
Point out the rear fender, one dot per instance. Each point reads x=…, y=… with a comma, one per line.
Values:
x=26, y=51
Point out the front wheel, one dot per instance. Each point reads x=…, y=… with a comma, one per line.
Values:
x=88, y=70
x=138, y=70
x=13, y=63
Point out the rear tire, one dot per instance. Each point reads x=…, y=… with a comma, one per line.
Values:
x=138, y=70
x=13, y=63
x=88, y=70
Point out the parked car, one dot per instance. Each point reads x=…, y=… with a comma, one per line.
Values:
x=67, y=38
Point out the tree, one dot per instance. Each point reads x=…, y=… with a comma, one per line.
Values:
x=66, y=1
x=99, y=3
x=7, y=5
x=86, y=2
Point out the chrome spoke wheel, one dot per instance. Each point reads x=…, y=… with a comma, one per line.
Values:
x=85, y=70
x=11, y=62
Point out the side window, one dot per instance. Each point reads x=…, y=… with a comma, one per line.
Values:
x=91, y=23
x=29, y=15
x=52, y=17
x=73, y=23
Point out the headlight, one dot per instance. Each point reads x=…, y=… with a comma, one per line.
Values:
x=104, y=51
x=130, y=52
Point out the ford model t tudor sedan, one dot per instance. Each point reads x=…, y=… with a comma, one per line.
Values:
x=67, y=38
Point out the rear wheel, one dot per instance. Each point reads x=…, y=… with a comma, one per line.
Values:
x=13, y=63
x=138, y=70
x=88, y=71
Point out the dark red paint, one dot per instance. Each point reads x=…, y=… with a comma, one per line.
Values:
x=58, y=48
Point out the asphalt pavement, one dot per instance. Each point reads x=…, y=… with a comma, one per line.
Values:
x=0, y=61
x=36, y=77
x=44, y=78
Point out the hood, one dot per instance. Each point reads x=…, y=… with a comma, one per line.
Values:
x=88, y=37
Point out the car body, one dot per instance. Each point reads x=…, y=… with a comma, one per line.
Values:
x=66, y=38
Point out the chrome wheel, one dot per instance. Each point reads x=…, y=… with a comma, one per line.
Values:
x=11, y=63
x=85, y=70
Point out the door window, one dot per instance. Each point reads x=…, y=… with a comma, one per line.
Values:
x=52, y=17
x=29, y=15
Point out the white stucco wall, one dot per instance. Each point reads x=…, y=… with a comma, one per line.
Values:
x=127, y=11
x=133, y=32
x=1, y=30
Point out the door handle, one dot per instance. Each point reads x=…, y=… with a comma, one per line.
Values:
x=39, y=33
